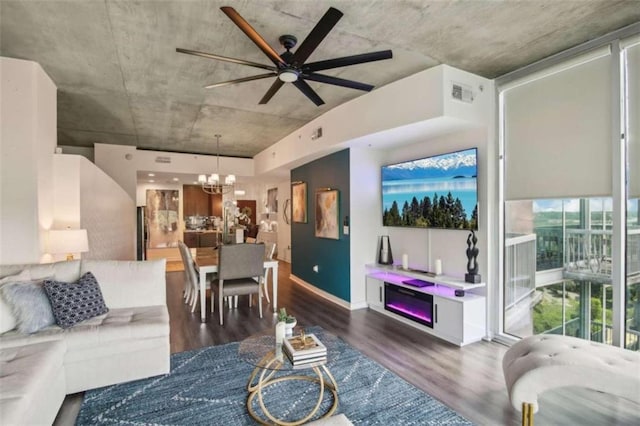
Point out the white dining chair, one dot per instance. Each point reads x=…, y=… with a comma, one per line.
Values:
x=270, y=249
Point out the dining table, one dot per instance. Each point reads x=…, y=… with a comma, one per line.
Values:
x=206, y=260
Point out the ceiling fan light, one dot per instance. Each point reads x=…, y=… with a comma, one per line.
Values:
x=288, y=76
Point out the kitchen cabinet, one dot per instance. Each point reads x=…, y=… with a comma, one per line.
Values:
x=191, y=239
x=196, y=202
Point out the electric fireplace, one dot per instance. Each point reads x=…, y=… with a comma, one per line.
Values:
x=414, y=305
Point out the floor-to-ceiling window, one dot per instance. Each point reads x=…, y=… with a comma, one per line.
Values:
x=571, y=247
x=631, y=93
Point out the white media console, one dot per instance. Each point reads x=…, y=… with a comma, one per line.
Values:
x=457, y=319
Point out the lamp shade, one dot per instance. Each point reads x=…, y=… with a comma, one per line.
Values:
x=68, y=241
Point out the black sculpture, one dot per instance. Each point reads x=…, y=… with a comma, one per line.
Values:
x=472, y=275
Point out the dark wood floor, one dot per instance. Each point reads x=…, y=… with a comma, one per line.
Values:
x=468, y=379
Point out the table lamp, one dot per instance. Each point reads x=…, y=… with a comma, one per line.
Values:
x=68, y=241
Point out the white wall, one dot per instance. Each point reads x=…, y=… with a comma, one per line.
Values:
x=85, y=197
x=364, y=221
x=28, y=139
x=284, y=229
x=108, y=214
x=123, y=162
x=417, y=104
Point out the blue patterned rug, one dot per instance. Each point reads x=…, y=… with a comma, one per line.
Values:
x=208, y=387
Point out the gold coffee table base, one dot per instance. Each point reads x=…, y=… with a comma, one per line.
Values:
x=265, y=379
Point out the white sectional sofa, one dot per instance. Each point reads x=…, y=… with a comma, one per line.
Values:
x=129, y=342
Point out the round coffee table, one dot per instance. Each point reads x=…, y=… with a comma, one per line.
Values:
x=260, y=351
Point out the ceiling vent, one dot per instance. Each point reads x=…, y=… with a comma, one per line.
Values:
x=163, y=160
x=461, y=92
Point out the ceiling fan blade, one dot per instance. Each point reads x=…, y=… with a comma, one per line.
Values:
x=272, y=91
x=317, y=34
x=226, y=59
x=338, y=81
x=240, y=80
x=252, y=34
x=347, y=60
x=308, y=91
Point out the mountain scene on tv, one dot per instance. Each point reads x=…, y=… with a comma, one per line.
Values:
x=434, y=192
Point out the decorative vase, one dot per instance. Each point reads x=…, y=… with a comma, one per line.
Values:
x=288, y=328
x=281, y=331
x=384, y=255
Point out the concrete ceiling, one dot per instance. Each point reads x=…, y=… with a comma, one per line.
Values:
x=120, y=80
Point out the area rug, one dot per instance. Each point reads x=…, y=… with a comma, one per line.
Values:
x=208, y=387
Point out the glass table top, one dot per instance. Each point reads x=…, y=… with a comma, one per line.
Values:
x=260, y=349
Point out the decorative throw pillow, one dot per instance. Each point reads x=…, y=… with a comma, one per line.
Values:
x=75, y=302
x=29, y=304
x=8, y=320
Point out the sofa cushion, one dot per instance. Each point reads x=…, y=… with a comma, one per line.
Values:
x=75, y=302
x=29, y=304
x=68, y=270
x=32, y=383
x=124, y=324
x=126, y=284
x=8, y=320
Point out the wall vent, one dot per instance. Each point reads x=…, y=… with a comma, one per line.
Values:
x=461, y=92
x=317, y=134
x=164, y=160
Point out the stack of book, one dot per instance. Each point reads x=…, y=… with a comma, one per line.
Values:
x=304, y=350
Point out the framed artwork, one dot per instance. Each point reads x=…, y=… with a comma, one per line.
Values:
x=162, y=217
x=327, y=214
x=272, y=200
x=299, y=202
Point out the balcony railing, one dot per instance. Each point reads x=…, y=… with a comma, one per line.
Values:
x=587, y=255
x=520, y=268
x=598, y=333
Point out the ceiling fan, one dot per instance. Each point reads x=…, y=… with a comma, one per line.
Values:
x=290, y=67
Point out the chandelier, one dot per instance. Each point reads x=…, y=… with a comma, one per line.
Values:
x=211, y=184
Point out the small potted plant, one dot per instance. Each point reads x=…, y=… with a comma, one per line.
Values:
x=288, y=320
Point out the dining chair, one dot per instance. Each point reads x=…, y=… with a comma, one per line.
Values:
x=240, y=271
x=192, y=277
x=269, y=251
x=191, y=288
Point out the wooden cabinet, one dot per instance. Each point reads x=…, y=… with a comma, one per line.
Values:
x=208, y=239
x=215, y=204
x=195, y=239
x=191, y=239
x=195, y=201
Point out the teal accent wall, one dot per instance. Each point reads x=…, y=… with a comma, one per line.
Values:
x=331, y=256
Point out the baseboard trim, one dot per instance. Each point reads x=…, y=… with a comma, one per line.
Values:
x=325, y=295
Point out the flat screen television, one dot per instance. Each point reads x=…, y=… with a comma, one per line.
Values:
x=440, y=191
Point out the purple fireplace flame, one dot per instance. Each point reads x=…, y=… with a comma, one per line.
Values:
x=414, y=305
x=412, y=312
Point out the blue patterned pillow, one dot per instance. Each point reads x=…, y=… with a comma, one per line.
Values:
x=75, y=302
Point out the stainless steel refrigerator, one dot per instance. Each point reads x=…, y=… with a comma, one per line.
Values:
x=141, y=233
